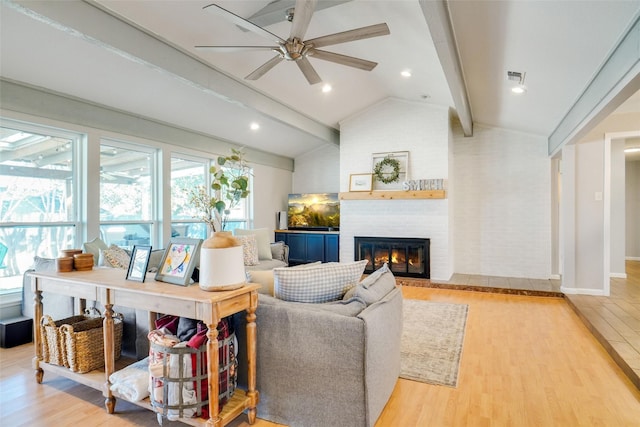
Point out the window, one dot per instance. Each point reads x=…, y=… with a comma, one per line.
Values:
x=186, y=174
x=126, y=194
x=38, y=197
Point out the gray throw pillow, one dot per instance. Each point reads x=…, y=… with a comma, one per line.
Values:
x=374, y=287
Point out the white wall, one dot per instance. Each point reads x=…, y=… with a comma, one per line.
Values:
x=617, y=184
x=317, y=171
x=632, y=198
x=502, y=215
x=270, y=189
x=396, y=125
x=588, y=244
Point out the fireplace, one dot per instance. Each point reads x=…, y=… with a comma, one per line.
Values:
x=407, y=257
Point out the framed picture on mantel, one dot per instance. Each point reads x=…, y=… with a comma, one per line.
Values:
x=360, y=182
x=390, y=169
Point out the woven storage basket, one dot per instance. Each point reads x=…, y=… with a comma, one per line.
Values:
x=83, y=343
x=52, y=349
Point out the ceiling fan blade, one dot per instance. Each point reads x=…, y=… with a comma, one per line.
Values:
x=301, y=17
x=234, y=48
x=308, y=71
x=350, y=61
x=264, y=68
x=241, y=22
x=351, y=35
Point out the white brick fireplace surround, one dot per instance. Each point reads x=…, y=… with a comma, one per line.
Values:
x=496, y=217
x=396, y=125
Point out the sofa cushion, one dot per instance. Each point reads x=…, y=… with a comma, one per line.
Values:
x=249, y=249
x=93, y=247
x=265, y=277
x=316, y=283
x=278, y=251
x=155, y=259
x=374, y=287
x=262, y=237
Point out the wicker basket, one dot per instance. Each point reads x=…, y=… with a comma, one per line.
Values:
x=52, y=349
x=83, y=343
x=77, y=342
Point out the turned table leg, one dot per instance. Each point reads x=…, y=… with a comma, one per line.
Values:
x=37, y=336
x=251, y=358
x=109, y=357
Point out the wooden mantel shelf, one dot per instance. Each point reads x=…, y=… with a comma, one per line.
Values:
x=393, y=195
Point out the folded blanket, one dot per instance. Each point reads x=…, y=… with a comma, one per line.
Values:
x=132, y=382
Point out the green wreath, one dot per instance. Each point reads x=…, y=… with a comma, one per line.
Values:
x=382, y=172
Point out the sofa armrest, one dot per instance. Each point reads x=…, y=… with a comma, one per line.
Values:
x=383, y=333
x=305, y=354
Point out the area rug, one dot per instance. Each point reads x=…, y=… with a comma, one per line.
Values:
x=432, y=338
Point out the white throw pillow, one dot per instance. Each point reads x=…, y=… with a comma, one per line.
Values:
x=262, y=237
x=316, y=283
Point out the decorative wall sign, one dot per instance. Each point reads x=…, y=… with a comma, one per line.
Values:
x=390, y=170
x=423, y=184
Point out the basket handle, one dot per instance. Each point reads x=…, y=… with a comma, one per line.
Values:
x=67, y=332
x=92, y=312
x=46, y=320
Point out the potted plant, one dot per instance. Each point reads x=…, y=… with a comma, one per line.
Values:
x=230, y=184
x=221, y=256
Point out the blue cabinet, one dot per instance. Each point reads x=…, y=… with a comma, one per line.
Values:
x=305, y=247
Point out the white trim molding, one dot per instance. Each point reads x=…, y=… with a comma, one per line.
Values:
x=582, y=291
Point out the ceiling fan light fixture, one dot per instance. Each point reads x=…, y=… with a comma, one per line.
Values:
x=254, y=126
x=326, y=88
x=406, y=73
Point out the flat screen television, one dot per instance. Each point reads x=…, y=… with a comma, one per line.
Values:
x=313, y=211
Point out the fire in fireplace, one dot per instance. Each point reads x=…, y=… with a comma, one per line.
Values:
x=407, y=257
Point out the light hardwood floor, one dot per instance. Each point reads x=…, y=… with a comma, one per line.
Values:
x=527, y=361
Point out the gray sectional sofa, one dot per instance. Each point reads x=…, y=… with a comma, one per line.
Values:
x=331, y=364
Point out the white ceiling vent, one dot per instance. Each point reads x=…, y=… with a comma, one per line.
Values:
x=516, y=76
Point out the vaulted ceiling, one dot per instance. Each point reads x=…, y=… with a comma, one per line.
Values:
x=140, y=57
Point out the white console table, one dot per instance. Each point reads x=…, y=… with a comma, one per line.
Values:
x=109, y=287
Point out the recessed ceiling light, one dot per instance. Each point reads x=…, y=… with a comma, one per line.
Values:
x=327, y=88
x=406, y=73
x=254, y=126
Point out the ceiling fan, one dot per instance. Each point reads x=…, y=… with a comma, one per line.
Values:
x=295, y=48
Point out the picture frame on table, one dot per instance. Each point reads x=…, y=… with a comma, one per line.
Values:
x=179, y=260
x=139, y=263
x=360, y=182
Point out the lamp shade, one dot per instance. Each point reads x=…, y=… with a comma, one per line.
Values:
x=221, y=268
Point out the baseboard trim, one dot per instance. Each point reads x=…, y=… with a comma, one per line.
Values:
x=582, y=291
x=618, y=275
x=632, y=258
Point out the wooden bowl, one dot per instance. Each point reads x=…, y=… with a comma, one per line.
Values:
x=83, y=262
x=69, y=252
x=64, y=264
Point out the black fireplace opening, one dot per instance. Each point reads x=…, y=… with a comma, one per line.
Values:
x=406, y=257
